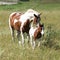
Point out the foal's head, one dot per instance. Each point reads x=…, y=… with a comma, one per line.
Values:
x=39, y=31
x=41, y=28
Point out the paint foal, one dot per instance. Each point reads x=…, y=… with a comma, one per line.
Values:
x=21, y=22
x=36, y=33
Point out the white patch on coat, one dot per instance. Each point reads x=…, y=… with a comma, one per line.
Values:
x=42, y=32
x=27, y=15
x=31, y=31
x=24, y=17
x=15, y=21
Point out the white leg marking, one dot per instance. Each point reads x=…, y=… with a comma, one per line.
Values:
x=31, y=40
x=19, y=42
x=39, y=44
x=33, y=44
x=22, y=38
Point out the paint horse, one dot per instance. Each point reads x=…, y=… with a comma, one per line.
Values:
x=36, y=33
x=21, y=22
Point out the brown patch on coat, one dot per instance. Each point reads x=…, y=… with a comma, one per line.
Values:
x=17, y=24
x=26, y=27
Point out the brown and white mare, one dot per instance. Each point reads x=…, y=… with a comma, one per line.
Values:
x=22, y=22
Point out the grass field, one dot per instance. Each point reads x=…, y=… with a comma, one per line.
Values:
x=49, y=49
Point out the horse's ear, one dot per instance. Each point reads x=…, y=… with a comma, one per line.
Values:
x=35, y=15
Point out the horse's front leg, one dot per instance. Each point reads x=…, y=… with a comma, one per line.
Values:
x=39, y=44
x=22, y=36
x=28, y=37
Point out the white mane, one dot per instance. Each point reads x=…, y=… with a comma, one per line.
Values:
x=32, y=31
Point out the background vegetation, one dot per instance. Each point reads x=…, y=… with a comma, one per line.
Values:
x=50, y=45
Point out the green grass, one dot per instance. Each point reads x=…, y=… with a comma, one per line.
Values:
x=23, y=6
x=49, y=50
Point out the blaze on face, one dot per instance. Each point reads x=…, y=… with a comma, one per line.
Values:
x=42, y=29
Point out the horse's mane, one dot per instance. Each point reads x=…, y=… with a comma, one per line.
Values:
x=32, y=11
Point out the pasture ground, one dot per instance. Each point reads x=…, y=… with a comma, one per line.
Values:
x=49, y=49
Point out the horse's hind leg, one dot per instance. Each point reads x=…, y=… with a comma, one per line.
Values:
x=12, y=33
x=18, y=36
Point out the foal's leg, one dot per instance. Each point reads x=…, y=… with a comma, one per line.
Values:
x=32, y=42
x=39, y=44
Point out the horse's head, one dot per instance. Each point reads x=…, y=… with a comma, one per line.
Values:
x=37, y=18
x=34, y=16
